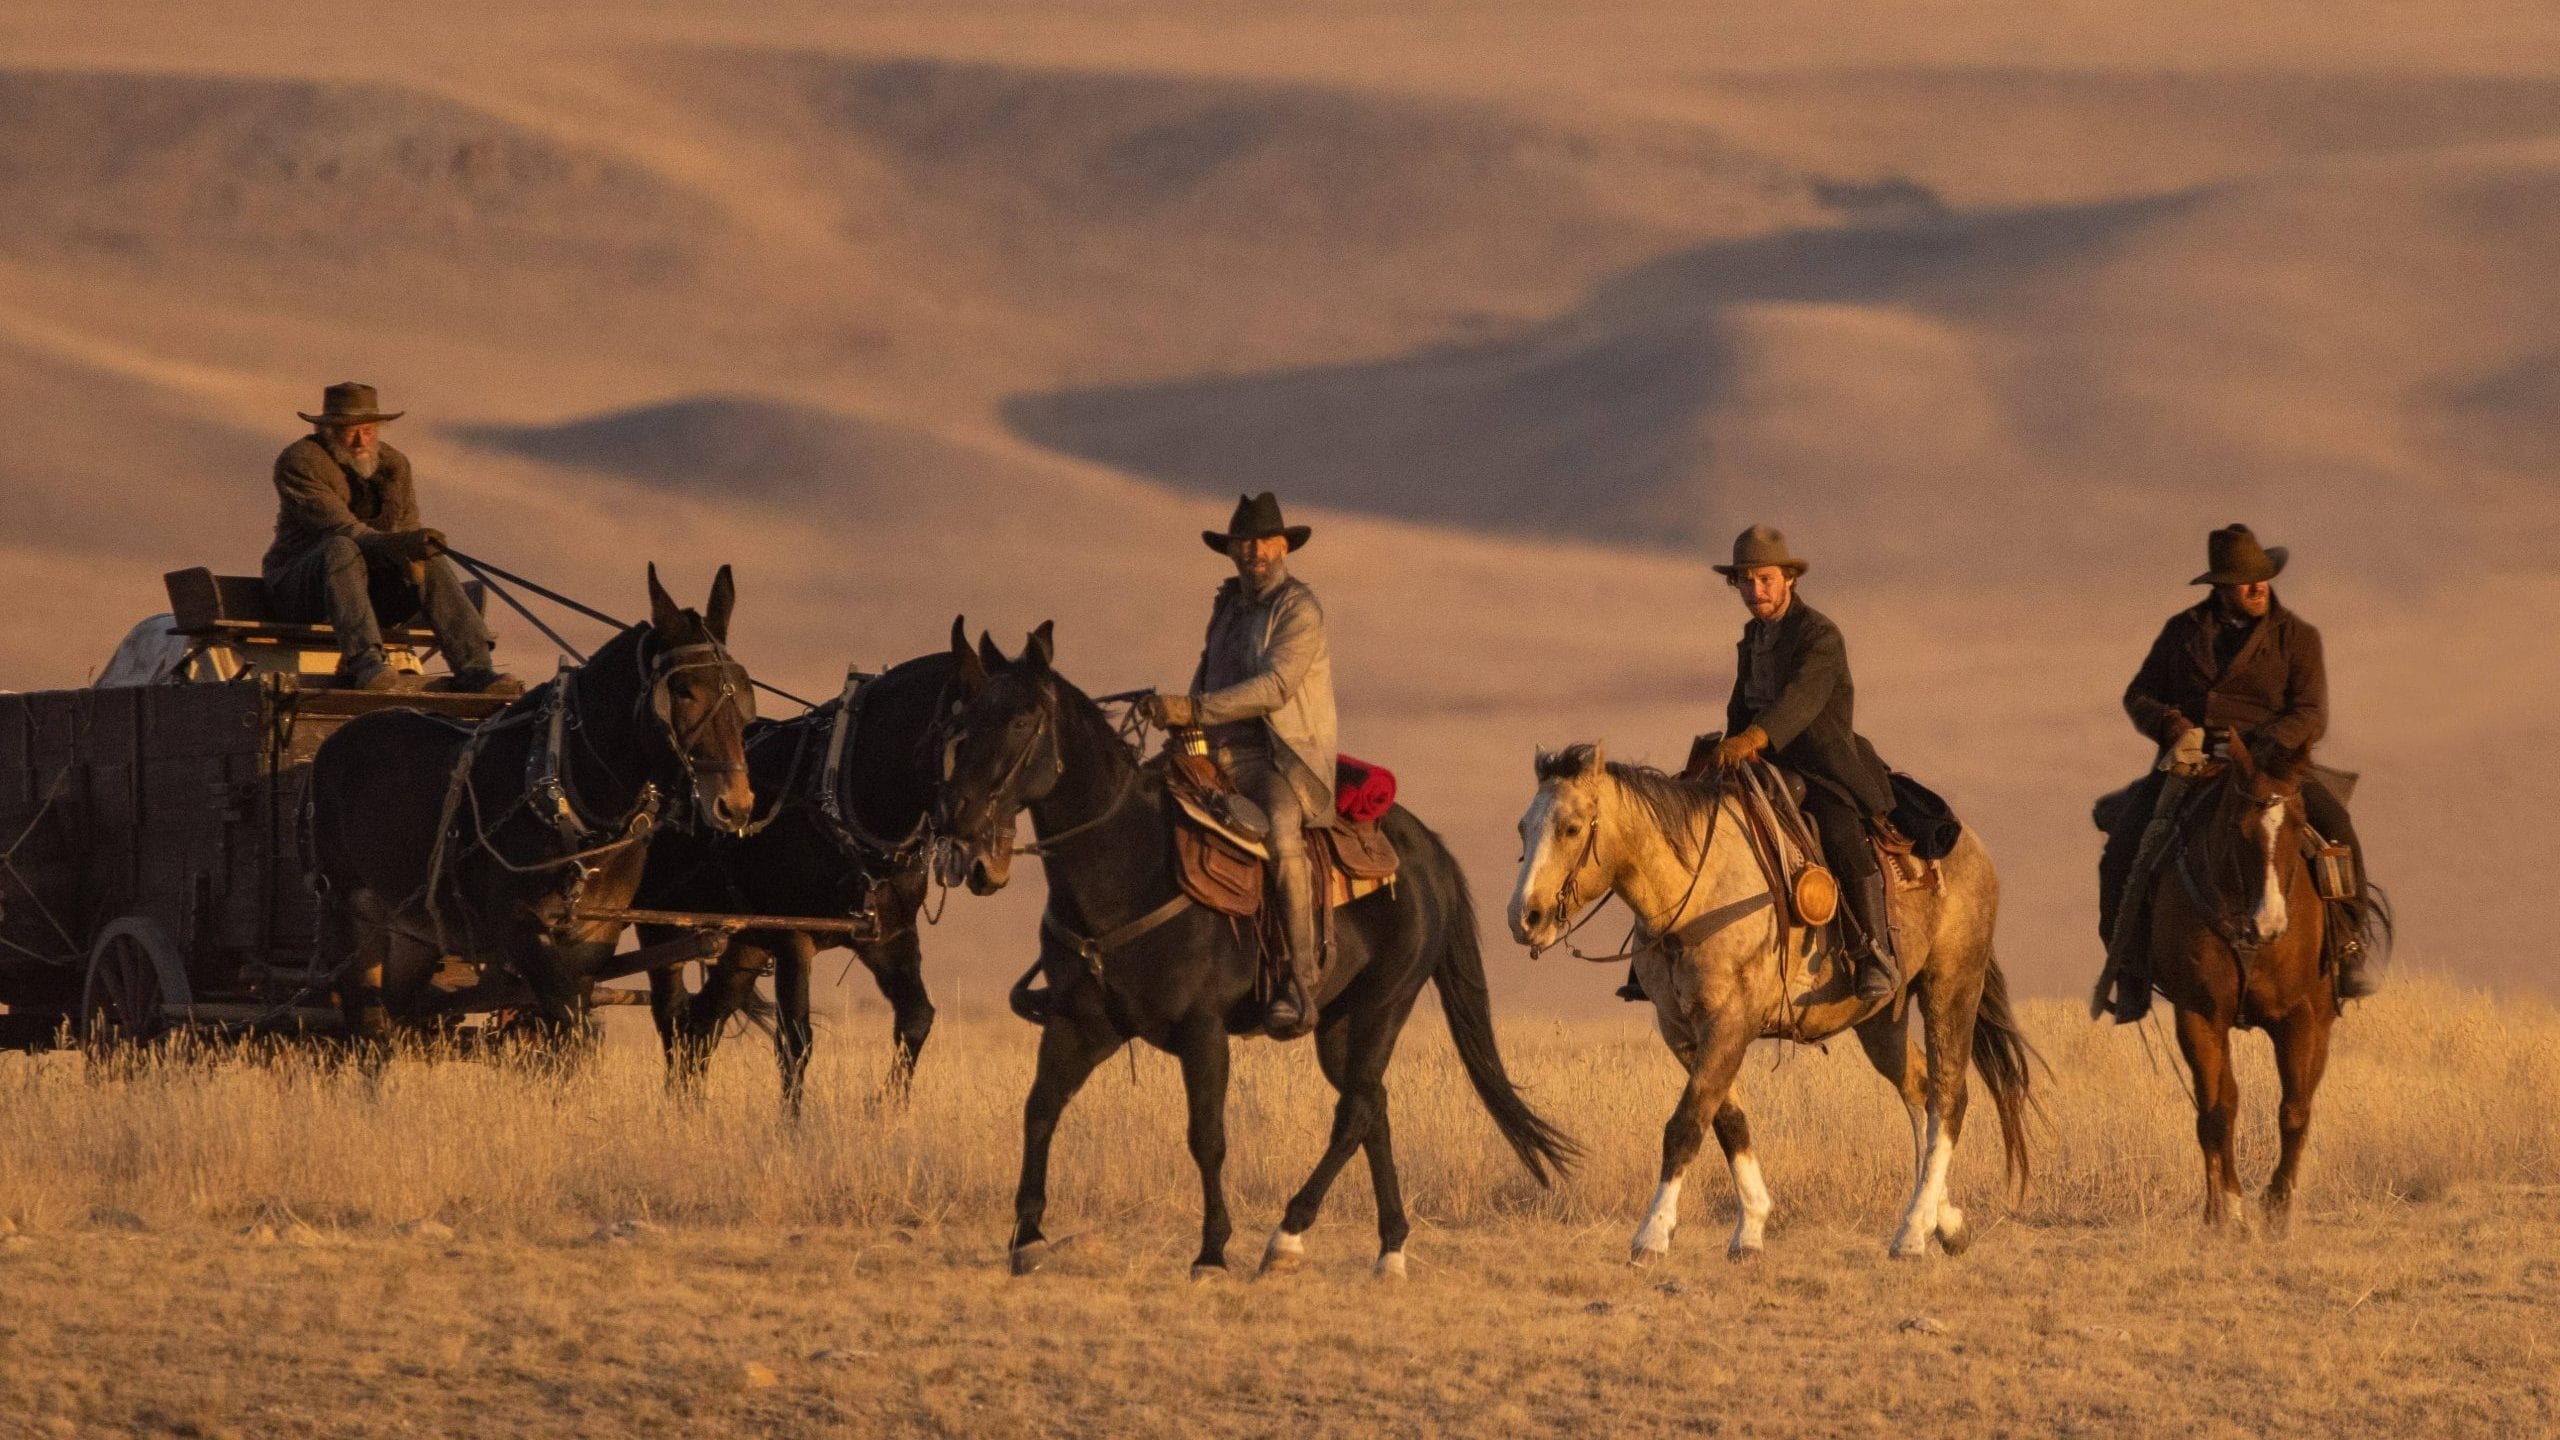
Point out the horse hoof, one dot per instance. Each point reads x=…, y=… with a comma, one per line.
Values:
x=1910, y=1250
x=1642, y=1256
x=1203, y=1272
x=1284, y=1253
x=1390, y=1266
x=1027, y=1258
x=1737, y=1251
x=1956, y=1241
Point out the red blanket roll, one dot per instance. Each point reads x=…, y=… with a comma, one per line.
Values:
x=1362, y=793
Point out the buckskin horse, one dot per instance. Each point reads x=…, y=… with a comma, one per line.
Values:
x=491, y=843
x=2238, y=930
x=1676, y=853
x=847, y=789
x=1133, y=959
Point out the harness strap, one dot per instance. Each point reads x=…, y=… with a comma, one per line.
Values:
x=1093, y=951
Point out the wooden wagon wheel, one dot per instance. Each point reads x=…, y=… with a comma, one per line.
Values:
x=123, y=1002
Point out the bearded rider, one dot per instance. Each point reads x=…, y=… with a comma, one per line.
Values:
x=2238, y=661
x=1264, y=692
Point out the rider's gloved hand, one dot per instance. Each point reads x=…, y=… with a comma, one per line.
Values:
x=1740, y=749
x=1169, y=712
x=413, y=546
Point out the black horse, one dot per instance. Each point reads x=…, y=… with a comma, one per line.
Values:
x=846, y=788
x=430, y=838
x=1128, y=958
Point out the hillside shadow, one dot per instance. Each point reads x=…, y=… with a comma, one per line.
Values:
x=1591, y=424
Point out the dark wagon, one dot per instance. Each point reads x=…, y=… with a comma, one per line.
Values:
x=151, y=868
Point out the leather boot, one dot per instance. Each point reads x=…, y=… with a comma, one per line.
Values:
x=1634, y=988
x=1877, y=977
x=1292, y=1011
x=2129, y=945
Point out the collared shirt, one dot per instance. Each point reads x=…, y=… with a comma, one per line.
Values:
x=1761, y=682
x=1234, y=655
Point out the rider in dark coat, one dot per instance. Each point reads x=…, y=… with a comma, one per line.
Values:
x=1793, y=700
x=2238, y=660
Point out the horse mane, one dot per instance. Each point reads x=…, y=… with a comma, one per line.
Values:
x=1669, y=801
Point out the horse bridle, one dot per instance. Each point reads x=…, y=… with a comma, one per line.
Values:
x=1566, y=898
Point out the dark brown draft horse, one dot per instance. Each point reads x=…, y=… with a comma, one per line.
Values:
x=2237, y=932
x=490, y=843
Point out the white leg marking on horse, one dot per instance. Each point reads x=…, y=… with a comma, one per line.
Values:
x=1654, y=1237
x=1284, y=1250
x=2270, y=919
x=1753, y=1193
x=1921, y=1221
x=1390, y=1266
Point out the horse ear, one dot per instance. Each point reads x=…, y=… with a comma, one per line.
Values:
x=992, y=657
x=664, y=612
x=1042, y=645
x=973, y=675
x=724, y=598
x=1599, y=758
x=2288, y=765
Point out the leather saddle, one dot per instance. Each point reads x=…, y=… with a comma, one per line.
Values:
x=1909, y=841
x=1221, y=843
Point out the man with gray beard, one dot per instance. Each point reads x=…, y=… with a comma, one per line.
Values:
x=1264, y=692
x=350, y=549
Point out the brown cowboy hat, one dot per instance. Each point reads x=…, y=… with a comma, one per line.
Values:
x=1760, y=546
x=2233, y=556
x=1257, y=517
x=348, y=403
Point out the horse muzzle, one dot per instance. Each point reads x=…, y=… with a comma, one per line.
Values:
x=990, y=865
x=728, y=805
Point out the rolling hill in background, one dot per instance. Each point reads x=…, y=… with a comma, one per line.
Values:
x=989, y=308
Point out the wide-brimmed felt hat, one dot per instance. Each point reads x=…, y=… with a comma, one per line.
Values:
x=348, y=403
x=1257, y=517
x=1760, y=546
x=2233, y=556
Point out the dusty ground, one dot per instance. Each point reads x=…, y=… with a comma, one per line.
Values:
x=208, y=1246
x=2436, y=1317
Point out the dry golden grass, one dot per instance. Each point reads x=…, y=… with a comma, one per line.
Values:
x=145, y=1299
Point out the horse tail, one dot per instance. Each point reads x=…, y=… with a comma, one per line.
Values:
x=2006, y=1063
x=1547, y=1151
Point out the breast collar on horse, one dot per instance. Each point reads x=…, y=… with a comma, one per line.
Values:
x=547, y=772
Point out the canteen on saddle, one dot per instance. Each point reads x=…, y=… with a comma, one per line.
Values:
x=1221, y=839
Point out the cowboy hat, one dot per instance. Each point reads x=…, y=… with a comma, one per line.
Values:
x=1760, y=546
x=348, y=403
x=1257, y=517
x=2233, y=556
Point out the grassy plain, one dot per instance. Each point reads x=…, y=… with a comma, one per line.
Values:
x=217, y=1247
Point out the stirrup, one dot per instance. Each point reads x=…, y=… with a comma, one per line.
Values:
x=1290, y=1013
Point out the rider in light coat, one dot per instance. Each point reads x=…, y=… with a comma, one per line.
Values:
x=1264, y=692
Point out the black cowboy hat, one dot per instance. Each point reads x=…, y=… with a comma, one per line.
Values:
x=1760, y=546
x=1257, y=517
x=348, y=403
x=2233, y=556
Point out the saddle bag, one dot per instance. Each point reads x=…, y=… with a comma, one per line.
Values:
x=1362, y=851
x=1220, y=876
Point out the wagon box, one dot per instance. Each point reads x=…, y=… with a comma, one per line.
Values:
x=150, y=852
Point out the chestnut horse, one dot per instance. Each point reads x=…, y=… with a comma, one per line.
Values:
x=2237, y=930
